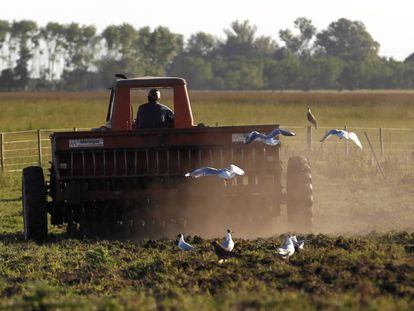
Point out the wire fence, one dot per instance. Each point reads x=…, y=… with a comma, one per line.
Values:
x=19, y=149
x=24, y=148
x=385, y=141
x=386, y=151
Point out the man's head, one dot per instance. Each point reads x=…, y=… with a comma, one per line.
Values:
x=154, y=95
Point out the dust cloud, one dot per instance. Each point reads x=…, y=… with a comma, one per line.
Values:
x=346, y=201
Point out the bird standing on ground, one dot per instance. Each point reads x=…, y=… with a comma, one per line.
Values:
x=287, y=249
x=342, y=134
x=311, y=118
x=225, y=173
x=299, y=245
x=268, y=139
x=183, y=245
x=222, y=253
x=228, y=243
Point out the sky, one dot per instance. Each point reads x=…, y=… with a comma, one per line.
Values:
x=390, y=23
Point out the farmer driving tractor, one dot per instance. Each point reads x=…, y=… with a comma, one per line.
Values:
x=153, y=114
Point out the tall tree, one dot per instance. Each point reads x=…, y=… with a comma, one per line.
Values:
x=197, y=70
x=53, y=34
x=158, y=48
x=120, y=40
x=319, y=72
x=4, y=31
x=80, y=46
x=283, y=73
x=265, y=46
x=122, y=54
x=24, y=37
x=201, y=44
x=409, y=58
x=348, y=40
x=240, y=39
x=299, y=44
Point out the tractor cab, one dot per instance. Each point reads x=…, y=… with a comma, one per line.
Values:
x=120, y=113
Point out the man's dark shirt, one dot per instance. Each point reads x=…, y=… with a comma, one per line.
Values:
x=154, y=115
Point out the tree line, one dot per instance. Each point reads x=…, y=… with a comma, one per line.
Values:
x=77, y=57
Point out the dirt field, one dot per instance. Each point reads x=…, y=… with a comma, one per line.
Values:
x=360, y=255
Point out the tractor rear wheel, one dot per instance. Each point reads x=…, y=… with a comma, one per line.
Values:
x=34, y=204
x=299, y=194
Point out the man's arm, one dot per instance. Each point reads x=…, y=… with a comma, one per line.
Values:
x=167, y=116
x=170, y=118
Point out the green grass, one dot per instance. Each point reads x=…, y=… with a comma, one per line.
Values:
x=360, y=256
x=23, y=111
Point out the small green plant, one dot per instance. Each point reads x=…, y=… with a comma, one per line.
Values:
x=98, y=257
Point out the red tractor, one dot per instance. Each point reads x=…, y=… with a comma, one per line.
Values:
x=120, y=179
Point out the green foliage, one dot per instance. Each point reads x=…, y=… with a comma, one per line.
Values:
x=4, y=29
x=121, y=53
x=342, y=56
x=299, y=44
x=240, y=39
x=197, y=68
x=23, y=35
x=348, y=40
x=98, y=257
x=201, y=44
x=158, y=48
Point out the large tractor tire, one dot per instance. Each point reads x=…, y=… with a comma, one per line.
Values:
x=299, y=194
x=34, y=204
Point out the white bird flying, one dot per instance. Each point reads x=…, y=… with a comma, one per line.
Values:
x=225, y=173
x=228, y=243
x=183, y=245
x=288, y=249
x=342, y=134
x=311, y=118
x=268, y=139
x=298, y=244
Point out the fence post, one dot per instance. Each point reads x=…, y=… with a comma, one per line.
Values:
x=309, y=137
x=39, y=146
x=2, y=151
x=346, y=143
x=375, y=156
x=381, y=139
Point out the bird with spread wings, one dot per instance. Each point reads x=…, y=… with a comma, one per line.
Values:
x=342, y=134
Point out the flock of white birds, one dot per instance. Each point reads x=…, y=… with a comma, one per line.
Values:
x=224, y=250
x=268, y=139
